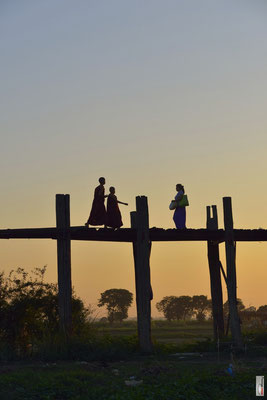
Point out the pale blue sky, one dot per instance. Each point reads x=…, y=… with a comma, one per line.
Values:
x=146, y=93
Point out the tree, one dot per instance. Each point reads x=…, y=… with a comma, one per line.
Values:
x=248, y=314
x=262, y=313
x=167, y=307
x=262, y=309
x=29, y=309
x=186, y=306
x=117, y=302
x=201, y=305
x=175, y=308
x=240, y=307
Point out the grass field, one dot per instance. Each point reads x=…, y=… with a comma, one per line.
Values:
x=163, y=331
x=166, y=378
x=102, y=370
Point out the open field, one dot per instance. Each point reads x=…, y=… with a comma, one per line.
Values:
x=163, y=331
x=180, y=368
x=168, y=378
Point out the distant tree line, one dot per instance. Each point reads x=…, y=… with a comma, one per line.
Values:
x=200, y=307
x=250, y=313
x=184, y=307
x=118, y=301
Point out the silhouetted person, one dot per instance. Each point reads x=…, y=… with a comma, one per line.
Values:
x=113, y=211
x=179, y=215
x=98, y=215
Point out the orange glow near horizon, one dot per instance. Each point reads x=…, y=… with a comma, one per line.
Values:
x=177, y=268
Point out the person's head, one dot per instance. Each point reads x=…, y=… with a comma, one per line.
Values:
x=112, y=190
x=102, y=180
x=179, y=187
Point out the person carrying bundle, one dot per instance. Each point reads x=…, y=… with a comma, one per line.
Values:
x=179, y=204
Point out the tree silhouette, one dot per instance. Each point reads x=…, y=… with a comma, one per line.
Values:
x=240, y=307
x=117, y=302
x=29, y=309
x=262, y=309
x=168, y=306
x=201, y=305
x=175, y=308
x=262, y=313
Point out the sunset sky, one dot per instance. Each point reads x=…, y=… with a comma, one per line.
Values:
x=148, y=94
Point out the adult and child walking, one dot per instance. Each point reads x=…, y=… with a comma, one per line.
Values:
x=111, y=217
x=99, y=215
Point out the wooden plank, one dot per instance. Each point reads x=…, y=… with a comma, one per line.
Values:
x=29, y=233
x=215, y=276
x=169, y=235
x=128, y=234
x=64, y=262
x=230, y=251
x=141, y=250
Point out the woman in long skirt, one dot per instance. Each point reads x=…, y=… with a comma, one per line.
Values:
x=113, y=212
x=98, y=215
x=179, y=215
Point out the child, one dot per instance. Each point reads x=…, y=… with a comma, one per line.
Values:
x=113, y=211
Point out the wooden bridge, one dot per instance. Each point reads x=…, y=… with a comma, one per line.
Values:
x=141, y=238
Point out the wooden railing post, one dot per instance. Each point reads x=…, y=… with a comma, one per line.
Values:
x=64, y=262
x=141, y=250
x=230, y=250
x=215, y=277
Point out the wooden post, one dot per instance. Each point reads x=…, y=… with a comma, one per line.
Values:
x=64, y=262
x=231, y=272
x=215, y=277
x=141, y=250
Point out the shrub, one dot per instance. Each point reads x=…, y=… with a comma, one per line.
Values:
x=29, y=311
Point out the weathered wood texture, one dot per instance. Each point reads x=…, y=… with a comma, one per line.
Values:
x=64, y=261
x=141, y=250
x=215, y=276
x=230, y=250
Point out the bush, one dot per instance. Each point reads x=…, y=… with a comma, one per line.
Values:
x=29, y=312
x=258, y=337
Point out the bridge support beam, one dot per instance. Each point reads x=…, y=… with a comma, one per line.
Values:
x=141, y=250
x=64, y=262
x=215, y=276
x=230, y=250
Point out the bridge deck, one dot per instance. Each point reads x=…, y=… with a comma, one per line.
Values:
x=129, y=235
